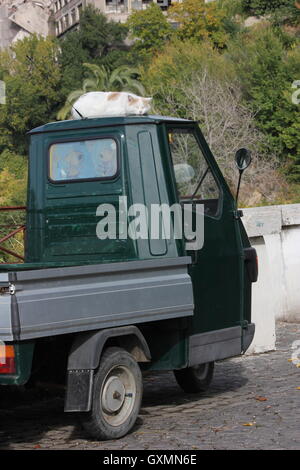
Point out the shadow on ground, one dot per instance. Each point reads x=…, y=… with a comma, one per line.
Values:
x=30, y=416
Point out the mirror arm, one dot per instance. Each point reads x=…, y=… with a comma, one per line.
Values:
x=238, y=187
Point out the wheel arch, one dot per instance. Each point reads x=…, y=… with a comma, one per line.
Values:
x=84, y=358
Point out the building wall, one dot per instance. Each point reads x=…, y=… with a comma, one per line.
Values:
x=8, y=29
x=66, y=12
x=56, y=17
x=275, y=233
x=20, y=18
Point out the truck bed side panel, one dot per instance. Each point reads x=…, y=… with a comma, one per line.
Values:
x=72, y=299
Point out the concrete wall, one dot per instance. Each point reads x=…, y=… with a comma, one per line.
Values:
x=21, y=18
x=8, y=29
x=275, y=233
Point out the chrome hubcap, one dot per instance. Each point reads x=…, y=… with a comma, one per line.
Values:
x=113, y=395
x=118, y=395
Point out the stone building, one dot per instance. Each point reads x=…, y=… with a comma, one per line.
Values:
x=20, y=18
x=66, y=12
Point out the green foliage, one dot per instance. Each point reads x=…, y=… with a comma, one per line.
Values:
x=232, y=7
x=200, y=21
x=13, y=188
x=261, y=7
x=123, y=78
x=13, y=179
x=266, y=71
x=150, y=30
x=32, y=78
x=97, y=34
x=175, y=66
x=97, y=41
x=287, y=15
x=280, y=12
x=263, y=61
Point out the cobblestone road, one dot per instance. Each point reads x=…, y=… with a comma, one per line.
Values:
x=262, y=391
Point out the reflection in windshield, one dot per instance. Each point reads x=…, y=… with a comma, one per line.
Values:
x=87, y=159
x=192, y=173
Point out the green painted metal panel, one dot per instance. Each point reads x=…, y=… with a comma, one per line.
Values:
x=217, y=271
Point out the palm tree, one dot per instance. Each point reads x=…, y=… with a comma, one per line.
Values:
x=123, y=78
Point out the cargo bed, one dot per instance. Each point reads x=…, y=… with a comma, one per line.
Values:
x=46, y=302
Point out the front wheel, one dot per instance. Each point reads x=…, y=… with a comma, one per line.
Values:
x=117, y=396
x=195, y=379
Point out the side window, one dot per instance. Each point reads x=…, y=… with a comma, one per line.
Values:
x=194, y=179
x=85, y=159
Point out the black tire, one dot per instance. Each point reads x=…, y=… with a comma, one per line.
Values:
x=117, y=396
x=195, y=379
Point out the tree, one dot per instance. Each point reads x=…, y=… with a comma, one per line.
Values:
x=13, y=186
x=266, y=70
x=122, y=78
x=150, y=30
x=287, y=15
x=203, y=86
x=32, y=76
x=229, y=125
x=261, y=7
x=280, y=12
x=200, y=21
x=178, y=63
x=97, y=41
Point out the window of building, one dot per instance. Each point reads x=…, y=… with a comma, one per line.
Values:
x=146, y=3
x=163, y=4
x=73, y=16
x=67, y=22
x=116, y=5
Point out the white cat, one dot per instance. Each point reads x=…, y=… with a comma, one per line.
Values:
x=99, y=103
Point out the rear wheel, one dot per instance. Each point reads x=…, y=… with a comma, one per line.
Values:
x=117, y=396
x=195, y=379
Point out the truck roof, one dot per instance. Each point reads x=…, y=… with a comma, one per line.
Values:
x=105, y=122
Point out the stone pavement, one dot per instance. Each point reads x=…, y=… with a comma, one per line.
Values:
x=253, y=403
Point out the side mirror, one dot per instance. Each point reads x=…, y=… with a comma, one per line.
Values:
x=242, y=160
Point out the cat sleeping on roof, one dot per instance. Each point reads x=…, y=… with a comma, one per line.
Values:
x=99, y=103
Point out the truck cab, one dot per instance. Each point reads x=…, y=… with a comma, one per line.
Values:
x=93, y=186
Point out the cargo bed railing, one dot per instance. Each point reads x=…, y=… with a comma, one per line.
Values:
x=10, y=236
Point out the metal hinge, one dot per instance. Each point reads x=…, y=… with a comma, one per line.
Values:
x=12, y=289
x=7, y=288
x=238, y=214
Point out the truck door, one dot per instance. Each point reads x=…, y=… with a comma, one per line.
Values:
x=217, y=269
x=83, y=170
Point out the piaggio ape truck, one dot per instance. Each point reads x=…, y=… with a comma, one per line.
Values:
x=99, y=310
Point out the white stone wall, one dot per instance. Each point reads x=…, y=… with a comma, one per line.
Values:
x=20, y=18
x=275, y=233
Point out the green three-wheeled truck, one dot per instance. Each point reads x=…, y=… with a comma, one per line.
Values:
x=97, y=302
